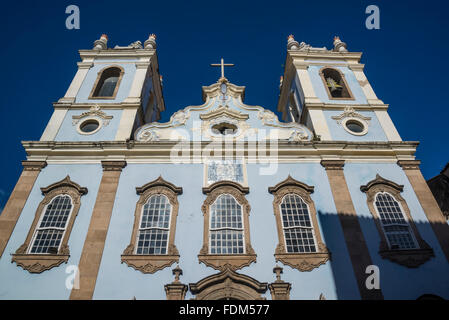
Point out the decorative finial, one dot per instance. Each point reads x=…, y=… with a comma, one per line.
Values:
x=150, y=43
x=102, y=43
x=278, y=270
x=177, y=272
x=339, y=46
x=292, y=44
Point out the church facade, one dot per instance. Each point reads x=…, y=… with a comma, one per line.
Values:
x=224, y=201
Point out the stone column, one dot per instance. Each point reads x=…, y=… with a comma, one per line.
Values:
x=355, y=241
x=17, y=200
x=280, y=290
x=428, y=203
x=98, y=228
x=176, y=290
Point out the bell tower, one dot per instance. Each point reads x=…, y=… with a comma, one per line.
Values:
x=327, y=90
x=114, y=91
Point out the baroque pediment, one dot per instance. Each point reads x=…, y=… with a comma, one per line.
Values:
x=223, y=116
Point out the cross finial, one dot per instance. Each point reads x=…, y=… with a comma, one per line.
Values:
x=222, y=65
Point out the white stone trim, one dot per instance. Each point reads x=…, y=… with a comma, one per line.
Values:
x=53, y=125
x=319, y=124
x=126, y=124
x=387, y=125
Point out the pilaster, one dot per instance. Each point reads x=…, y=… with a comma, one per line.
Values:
x=428, y=203
x=355, y=241
x=98, y=228
x=17, y=200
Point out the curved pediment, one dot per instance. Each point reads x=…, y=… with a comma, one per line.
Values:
x=223, y=116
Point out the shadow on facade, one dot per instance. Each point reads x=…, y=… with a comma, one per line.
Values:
x=426, y=277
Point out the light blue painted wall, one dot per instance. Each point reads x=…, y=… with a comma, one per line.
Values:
x=375, y=131
x=16, y=283
x=353, y=84
x=88, y=83
x=118, y=281
x=396, y=280
x=68, y=131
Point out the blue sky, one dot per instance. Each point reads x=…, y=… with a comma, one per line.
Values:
x=405, y=60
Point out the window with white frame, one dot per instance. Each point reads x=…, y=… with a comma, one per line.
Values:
x=154, y=226
x=297, y=225
x=226, y=226
x=396, y=228
x=52, y=225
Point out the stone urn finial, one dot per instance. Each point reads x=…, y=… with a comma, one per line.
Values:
x=339, y=46
x=150, y=43
x=102, y=43
x=292, y=44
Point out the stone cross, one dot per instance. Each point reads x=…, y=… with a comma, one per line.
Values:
x=222, y=65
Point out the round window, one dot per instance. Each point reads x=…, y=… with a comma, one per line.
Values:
x=89, y=126
x=224, y=128
x=355, y=126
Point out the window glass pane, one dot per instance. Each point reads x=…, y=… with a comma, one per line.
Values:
x=298, y=230
x=152, y=241
x=226, y=212
x=396, y=228
x=156, y=212
x=57, y=212
x=226, y=226
x=226, y=242
x=108, y=87
x=46, y=239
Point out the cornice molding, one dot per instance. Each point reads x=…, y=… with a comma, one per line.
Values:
x=409, y=164
x=33, y=165
x=333, y=164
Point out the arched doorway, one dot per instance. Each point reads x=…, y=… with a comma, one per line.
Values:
x=228, y=285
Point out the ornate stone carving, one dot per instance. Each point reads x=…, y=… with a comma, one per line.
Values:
x=156, y=131
x=94, y=112
x=151, y=263
x=300, y=261
x=350, y=112
x=226, y=261
x=134, y=45
x=410, y=258
x=37, y=263
x=228, y=284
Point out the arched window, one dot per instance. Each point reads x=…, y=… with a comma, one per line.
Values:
x=400, y=240
x=226, y=238
x=395, y=226
x=300, y=244
x=152, y=246
x=226, y=226
x=297, y=225
x=52, y=225
x=335, y=84
x=107, y=83
x=154, y=226
x=46, y=245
